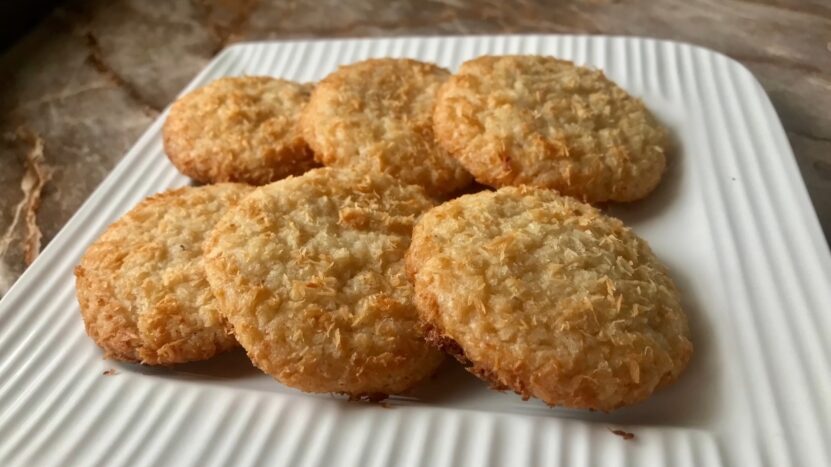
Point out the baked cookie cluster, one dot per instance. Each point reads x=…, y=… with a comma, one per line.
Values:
x=451, y=217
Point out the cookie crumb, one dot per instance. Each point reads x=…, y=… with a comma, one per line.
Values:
x=623, y=434
x=110, y=372
x=373, y=398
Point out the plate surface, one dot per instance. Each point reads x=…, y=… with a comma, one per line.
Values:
x=732, y=219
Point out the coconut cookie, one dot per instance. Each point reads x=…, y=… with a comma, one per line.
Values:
x=142, y=288
x=309, y=271
x=547, y=296
x=239, y=129
x=376, y=116
x=537, y=120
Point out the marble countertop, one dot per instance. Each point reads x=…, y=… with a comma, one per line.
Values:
x=79, y=89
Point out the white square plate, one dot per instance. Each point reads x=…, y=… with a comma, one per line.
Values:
x=732, y=219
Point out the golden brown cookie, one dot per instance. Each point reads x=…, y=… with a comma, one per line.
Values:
x=142, y=287
x=239, y=129
x=310, y=272
x=541, y=121
x=376, y=116
x=545, y=295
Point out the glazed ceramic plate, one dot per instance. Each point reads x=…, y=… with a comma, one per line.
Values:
x=732, y=219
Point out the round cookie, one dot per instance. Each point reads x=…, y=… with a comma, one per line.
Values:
x=376, y=116
x=141, y=286
x=309, y=271
x=239, y=129
x=541, y=121
x=542, y=294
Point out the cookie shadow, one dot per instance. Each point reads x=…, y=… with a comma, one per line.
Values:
x=231, y=365
x=449, y=385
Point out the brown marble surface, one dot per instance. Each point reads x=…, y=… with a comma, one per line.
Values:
x=78, y=90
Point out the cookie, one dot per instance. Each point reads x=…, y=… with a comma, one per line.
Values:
x=142, y=288
x=547, y=296
x=376, y=116
x=541, y=121
x=309, y=271
x=239, y=129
